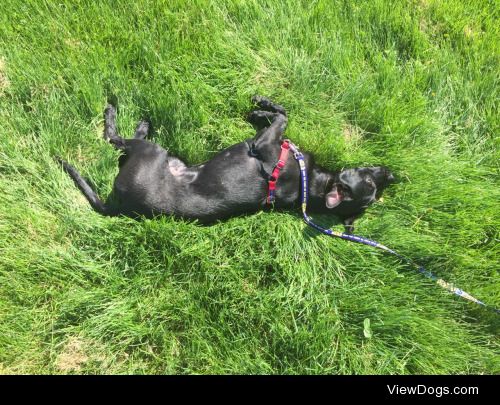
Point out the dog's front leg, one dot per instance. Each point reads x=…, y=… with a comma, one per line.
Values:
x=349, y=223
x=265, y=142
x=273, y=132
x=261, y=119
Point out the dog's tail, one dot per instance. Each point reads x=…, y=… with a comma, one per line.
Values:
x=84, y=187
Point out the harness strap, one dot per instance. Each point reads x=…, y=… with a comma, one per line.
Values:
x=359, y=239
x=271, y=191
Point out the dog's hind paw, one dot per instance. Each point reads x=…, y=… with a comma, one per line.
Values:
x=110, y=111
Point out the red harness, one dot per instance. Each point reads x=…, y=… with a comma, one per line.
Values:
x=285, y=147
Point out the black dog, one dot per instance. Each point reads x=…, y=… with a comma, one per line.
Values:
x=233, y=182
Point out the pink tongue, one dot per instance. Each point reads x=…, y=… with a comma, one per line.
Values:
x=333, y=198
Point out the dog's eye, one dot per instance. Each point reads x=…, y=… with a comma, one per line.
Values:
x=346, y=189
x=369, y=181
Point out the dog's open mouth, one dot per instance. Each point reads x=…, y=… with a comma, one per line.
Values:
x=335, y=196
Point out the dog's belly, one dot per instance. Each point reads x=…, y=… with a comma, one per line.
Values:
x=229, y=184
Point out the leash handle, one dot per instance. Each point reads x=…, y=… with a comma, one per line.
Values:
x=299, y=157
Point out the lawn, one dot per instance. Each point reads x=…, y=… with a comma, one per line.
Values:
x=413, y=85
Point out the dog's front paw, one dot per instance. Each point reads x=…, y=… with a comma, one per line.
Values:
x=260, y=118
x=259, y=99
x=266, y=104
x=263, y=102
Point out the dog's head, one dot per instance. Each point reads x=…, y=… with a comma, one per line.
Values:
x=353, y=190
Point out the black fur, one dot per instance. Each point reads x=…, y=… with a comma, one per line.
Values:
x=233, y=182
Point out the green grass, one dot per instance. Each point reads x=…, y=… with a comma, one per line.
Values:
x=409, y=84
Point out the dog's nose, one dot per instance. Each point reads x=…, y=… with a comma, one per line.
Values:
x=390, y=177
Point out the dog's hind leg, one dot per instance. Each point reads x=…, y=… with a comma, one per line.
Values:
x=84, y=187
x=142, y=130
x=110, y=131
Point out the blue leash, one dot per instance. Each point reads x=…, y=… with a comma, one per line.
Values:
x=359, y=239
